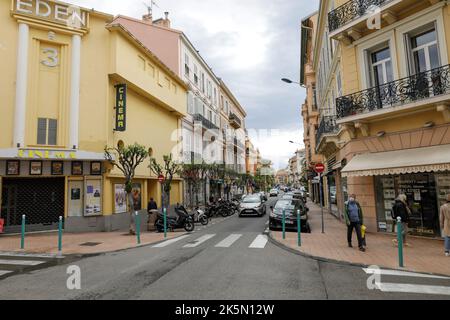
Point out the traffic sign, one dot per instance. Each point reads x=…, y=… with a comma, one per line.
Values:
x=319, y=168
x=161, y=179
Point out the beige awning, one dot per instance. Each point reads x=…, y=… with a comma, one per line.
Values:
x=430, y=159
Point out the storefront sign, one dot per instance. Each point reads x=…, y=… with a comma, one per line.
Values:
x=121, y=107
x=46, y=154
x=93, y=198
x=55, y=12
x=120, y=198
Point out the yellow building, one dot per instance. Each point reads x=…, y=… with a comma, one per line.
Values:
x=389, y=130
x=65, y=69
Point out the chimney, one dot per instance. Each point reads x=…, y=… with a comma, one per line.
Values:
x=147, y=18
x=163, y=22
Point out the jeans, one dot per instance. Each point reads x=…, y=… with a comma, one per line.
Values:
x=357, y=227
x=447, y=244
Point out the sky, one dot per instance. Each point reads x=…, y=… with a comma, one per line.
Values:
x=251, y=45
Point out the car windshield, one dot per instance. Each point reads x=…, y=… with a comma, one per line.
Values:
x=252, y=199
x=286, y=204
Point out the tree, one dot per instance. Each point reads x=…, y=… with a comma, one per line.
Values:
x=128, y=159
x=168, y=171
x=191, y=174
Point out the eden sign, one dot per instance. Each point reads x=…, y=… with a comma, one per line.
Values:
x=46, y=154
x=60, y=13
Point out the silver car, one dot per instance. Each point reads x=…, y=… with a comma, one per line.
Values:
x=253, y=204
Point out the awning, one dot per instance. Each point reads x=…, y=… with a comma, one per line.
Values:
x=430, y=159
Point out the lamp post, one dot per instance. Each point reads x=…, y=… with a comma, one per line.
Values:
x=289, y=81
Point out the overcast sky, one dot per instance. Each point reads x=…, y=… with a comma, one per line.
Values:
x=251, y=45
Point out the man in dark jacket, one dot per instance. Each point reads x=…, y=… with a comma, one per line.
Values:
x=401, y=209
x=354, y=218
x=152, y=205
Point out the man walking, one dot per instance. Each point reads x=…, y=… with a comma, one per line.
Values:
x=445, y=225
x=354, y=218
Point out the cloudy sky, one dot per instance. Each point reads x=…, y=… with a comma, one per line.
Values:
x=251, y=44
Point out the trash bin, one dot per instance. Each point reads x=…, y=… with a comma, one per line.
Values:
x=152, y=216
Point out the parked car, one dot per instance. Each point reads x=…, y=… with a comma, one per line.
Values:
x=288, y=196
x=301, y=196
x=263, y=195
x=253, y=204
x=290, y=207
x=274, y=193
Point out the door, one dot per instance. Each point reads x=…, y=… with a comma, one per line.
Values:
x=75, y=200
x=8, y=208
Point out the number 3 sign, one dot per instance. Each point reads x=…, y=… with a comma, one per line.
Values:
x=52, y=57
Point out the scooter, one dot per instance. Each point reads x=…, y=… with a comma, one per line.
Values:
x=184, y=220
x=199, y=216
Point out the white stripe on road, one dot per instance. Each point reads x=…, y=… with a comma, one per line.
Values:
x=413, y=288
x=169, y=242
x=228, y=242
x=21, y=262
x=3, y=272
x=260, y=242
x=29, y=255
x=199, y=241
x=401, y=273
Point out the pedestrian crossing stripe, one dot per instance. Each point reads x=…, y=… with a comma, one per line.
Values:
x=4, y=272
x=169, y=242
x=199, y=241
x=259, y=242
x=20, y=262
x=228, y=241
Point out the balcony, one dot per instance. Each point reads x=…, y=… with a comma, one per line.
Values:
x=424, y=89
x=235, y=122
x=205, y=122
x=356, y=18
x=326, y=136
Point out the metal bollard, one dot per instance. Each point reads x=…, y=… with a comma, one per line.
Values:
x=22, y=239
x=299, y=228
x=165, y=223
x=60, y=235
x=400, y=241
x=284, y=224
x=138, y=227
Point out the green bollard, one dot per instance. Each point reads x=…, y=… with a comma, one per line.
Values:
x=22, y=239
x=60, y=235
x=138, y=227
x=165, y=223
x=400, y=241
x=284, y=224
x=299, y=228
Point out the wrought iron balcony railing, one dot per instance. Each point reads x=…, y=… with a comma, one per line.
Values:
x=327, y=126
x=235, y=121
x=205, y=122
x=350, y=11
x=414, y=88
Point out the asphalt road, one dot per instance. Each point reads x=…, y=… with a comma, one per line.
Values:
x=230, y=259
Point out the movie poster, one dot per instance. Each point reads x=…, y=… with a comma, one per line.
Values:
x=120, y=198
x=93, y=199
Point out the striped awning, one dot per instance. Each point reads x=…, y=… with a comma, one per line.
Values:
x=429, y=159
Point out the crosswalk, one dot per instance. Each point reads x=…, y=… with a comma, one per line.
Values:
x=16, y=262
x=221, y=241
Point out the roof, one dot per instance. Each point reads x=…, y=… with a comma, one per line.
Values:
x=230, y=94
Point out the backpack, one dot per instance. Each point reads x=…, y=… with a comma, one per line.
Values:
x=393, y=212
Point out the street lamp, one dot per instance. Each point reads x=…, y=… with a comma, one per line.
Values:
x=289, y=81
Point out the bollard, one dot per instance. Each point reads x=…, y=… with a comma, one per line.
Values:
x=284, y=224
x=400, y=241
x=22, y=239
x=60, y=235
x=138, y=227
x=299, y=228
x=165, y=223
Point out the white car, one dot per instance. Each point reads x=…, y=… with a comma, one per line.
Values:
x=274, y=193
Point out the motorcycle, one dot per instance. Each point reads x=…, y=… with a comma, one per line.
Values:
x=184, y=220
x=199, y=216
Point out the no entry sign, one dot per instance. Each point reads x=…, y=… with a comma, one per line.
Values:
x=319, y=168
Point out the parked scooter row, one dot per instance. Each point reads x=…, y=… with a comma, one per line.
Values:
x=184, y=219
x=222, y=208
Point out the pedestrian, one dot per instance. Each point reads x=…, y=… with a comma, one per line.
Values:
x=402, y=210
x=354, y=218
x=151, y=206
x=445, y=224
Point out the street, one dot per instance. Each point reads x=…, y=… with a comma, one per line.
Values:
x=229, y=259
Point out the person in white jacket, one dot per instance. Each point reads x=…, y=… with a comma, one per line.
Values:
x=445, y=224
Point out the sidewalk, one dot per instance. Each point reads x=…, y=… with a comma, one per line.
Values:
x=101, y=242
x=425, y=255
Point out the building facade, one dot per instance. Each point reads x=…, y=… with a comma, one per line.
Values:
x=68, y=67
x=390, y=130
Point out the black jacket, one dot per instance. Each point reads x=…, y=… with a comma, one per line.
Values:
x=399, y=210
x=152, y=206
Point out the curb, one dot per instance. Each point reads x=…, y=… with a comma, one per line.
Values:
x=340, y=262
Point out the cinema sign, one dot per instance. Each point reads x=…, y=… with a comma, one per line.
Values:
x=70, y=16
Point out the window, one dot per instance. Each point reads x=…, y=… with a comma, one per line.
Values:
x=215, y=96
x=381, y=71
x=209, y=115
x=190, y=103
x=47, y=131
x=195, y=75
x=227, y=108
x=203, y=82
x=186, y=65
x=425, y=51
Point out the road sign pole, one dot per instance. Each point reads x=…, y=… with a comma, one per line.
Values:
x=22, y=238
x=284, y=224
x=299, y=228
x=400, y=242
x=60, y=235
x=321, y=202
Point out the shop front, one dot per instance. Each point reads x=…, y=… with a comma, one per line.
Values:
x=422, y=174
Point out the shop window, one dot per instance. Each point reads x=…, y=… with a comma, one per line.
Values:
x=47, y=131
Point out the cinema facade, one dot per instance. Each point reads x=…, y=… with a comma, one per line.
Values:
x=64, y=71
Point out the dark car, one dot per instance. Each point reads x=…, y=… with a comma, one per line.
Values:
x=299, y=195
x=290, y=207
x=253, y=204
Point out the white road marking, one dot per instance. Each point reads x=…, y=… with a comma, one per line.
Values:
x=402, y=274
x=29, y=255
x=260, y=242
x=169, y=242
x=228, y=242
x=413, y=288
x=199, y=241
x=3, y=272
x=21, y=262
